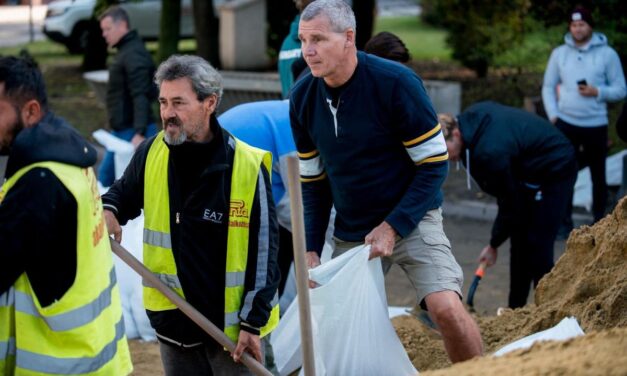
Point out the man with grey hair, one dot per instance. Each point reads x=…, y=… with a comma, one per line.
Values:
x=210, y=229
x=370, y=144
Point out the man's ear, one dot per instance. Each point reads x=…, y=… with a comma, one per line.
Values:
x=212, y=102
x=31, y=113
x=350, y=38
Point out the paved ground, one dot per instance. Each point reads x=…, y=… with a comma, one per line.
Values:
x=467, y=224
x=395, y=8
x=15, y=27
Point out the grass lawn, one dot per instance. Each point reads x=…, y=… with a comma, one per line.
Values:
x=424, y=42
x=69, y=95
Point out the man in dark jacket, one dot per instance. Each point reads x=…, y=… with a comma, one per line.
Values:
x=210, y=228
x=369, y=144
x=530, y=167
x=58, y=295
x=130, y=89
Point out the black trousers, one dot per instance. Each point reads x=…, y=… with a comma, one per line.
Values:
x=534, y=235
x=591, y=150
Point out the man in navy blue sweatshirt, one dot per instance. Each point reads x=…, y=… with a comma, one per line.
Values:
x=530, y=167
x=369, y=143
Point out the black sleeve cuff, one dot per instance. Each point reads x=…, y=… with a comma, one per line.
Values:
x=249, y=328
x=111, y=208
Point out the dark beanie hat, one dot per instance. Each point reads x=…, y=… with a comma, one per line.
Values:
x=581, y=14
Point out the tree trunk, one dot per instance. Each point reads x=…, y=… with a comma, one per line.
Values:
x=364, y=16
x=170, y=29
x=207, y=29
x=95, y=53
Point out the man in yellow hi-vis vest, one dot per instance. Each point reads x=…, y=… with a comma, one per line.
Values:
x=210, y=230
x=60, y=310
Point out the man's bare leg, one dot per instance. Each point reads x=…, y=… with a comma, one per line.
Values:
x=460, y=332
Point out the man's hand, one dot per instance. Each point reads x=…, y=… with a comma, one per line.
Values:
x=382, y=240
x=488, y=255
x=113, y=226
x=588, y=90
x=250, y=343
x=137, y=139
x=312, y=260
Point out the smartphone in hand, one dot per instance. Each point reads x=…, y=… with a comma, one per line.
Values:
x=582, y=83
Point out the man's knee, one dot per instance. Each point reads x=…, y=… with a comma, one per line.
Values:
x=446, y=309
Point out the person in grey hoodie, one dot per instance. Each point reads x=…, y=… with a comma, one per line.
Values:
x=583, y=75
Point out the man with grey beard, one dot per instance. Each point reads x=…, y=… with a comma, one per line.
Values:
x=210, y=229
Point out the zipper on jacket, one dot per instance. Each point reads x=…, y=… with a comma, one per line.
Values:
x=178, y=218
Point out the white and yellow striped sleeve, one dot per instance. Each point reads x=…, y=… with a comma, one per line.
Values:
x=311, y=168
x=429, y=147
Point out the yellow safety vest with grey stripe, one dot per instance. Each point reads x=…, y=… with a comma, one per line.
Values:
x=158, y=256
x=83, y=332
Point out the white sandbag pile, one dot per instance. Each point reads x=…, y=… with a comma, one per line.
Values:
x=130, y=283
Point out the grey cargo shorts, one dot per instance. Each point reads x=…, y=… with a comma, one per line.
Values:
x=424, y=255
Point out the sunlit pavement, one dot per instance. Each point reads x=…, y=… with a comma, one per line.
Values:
x=15, y=24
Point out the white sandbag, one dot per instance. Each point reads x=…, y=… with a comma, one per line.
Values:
x=135, y=317
x=136, y=320
x=123, y=149
x=4, y=159
x=351, y=329
x=289, y=292
x=613, y=176
x=566, y=329
x=285, y=340
x=394, y=311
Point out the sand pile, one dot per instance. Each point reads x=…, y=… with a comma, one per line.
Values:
x=589, y=282
x=596, y=353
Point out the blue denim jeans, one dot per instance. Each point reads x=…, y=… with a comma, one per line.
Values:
x=106, y=172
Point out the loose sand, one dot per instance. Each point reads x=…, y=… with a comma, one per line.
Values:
x=588, y=282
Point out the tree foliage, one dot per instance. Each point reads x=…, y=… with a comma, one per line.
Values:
x=610, y=18
x=479, y=29
x=95, y=53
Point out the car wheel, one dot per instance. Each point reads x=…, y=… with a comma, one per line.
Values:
x=78, y=39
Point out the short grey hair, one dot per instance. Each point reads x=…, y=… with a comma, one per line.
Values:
x=205, y=79
x=339, y=13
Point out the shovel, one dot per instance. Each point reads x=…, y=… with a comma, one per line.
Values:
x=473, y=286
x=191, y=312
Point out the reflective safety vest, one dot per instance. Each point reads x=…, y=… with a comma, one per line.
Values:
x=158, y=256
x=82, y=332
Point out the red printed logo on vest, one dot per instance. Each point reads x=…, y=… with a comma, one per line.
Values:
x=238, y=209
